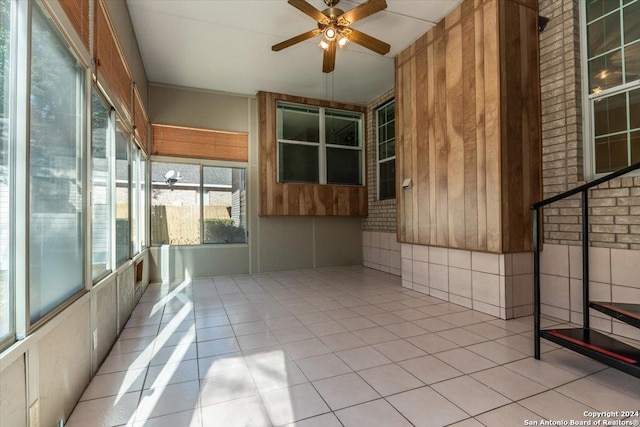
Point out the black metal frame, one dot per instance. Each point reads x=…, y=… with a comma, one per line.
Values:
x=584, y=189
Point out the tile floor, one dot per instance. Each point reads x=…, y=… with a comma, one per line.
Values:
x=334, y=347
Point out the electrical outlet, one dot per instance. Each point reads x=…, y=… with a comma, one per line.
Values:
x=95, y=339
x=34, y=414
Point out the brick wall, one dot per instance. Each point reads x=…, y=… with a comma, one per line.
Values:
x=615, y=207
x=382, y=213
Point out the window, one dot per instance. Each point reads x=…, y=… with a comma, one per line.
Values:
x=225, y=205
x=181, y=194
x=319, y=145
x=175, y=204
x=386, y=120
x=142, y=223
x=6, y=290
x=55, y=219
x=101, y=188
x=123, y=226
x=613, y=69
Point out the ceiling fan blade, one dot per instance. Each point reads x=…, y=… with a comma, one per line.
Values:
x=308, y=9
x=329, y=60
x=362, y=11
x=294, y=40
x=369, y=42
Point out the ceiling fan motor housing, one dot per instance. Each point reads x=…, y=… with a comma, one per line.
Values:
x=331, y=3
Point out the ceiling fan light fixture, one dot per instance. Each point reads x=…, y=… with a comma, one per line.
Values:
x=330, y=33
x=343, y=41
x=324, y=44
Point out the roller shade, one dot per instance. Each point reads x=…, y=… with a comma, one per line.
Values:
x=78, y=13
x=199, y=143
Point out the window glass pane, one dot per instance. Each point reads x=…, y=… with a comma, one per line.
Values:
x=631, y=17
x=605, y=71
x=225, y=205
x=298, y=123
x=135, y=198
x=632, y=62
x=611, y=153
x=635, y=147
x=342, y=128
x=143, y=202
x=175, y=204
x=604, y=34
x=123, y=226
x=6, y=294
x=597, y=8
x=343, y=166
x=634, y=109
x=298, y=163
x=387, y=179
x=610, y=114
x=55, y=235
x=100, y=188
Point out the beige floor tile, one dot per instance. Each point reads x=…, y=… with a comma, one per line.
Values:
x=191, y=418
x=375, y=335
x=399, y=350
x=465, y=360
x=215, y=333
x=425, y=407
x=176, y=354
x=345, y=390
x=306, y=348
x=116, y=383
x=225, y=387
x=325, y=420
x=597, y=396
x=513, y=325
x=218, y=347
x=508, y=383
x=497, y=352
x=383, y=319
x=461, y=337
x=376, y=413
x=510, y=415
x=618, y=380
x=405, y=329
x=324, y=366
x=132, y=346
x=542, y=372
x=433, y=324
x=125, y=361
x=429, y=369
x=248, y=411
x=363, y=358
x=488, y=330
x=105, y=412
x=555, y=406
x=272, y=376
x=432, y=343
x=249, y=328
x=390, y=379
x=470, y=395
x=326, y=328
x=574, y=362
x=297, y=333
x=343, y=341
x=469, y=422
x=171, y=373
x=356, y=323
x=256, y=341
x=172, y=398
x=288, y=405
x=410, y=314
x=212, y=321
x=218, y=365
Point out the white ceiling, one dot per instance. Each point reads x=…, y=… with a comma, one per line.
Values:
x=225, y=45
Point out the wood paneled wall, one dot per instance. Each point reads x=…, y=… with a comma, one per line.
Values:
x=278, y=198
x=111, y=67
x=468, y=129
x=140, y=121
x=195, y=143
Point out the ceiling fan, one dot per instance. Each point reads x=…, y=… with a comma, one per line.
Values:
x=334, y=25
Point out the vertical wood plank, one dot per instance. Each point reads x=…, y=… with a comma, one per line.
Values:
x=431, y=141
x=440, y=123
x=481, y=166
x=469, y=135
x=454, y=141
x=492, y=129
x=422, y=194
x=407, y=164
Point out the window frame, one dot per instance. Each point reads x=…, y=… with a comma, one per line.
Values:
x=589, y=99
x=201, y=163
x=321, y=144
x=387, y=159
